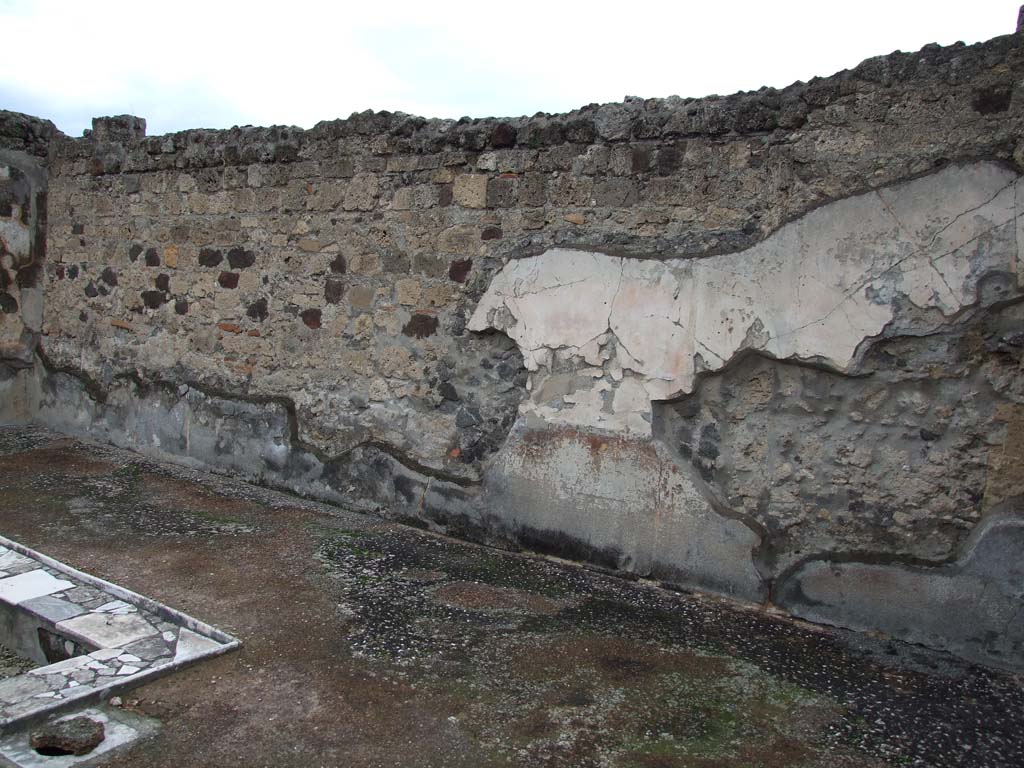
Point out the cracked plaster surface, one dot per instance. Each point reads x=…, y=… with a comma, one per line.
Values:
x=604, y=336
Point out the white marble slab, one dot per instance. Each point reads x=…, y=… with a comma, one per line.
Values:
x=25, y=586
x=10, y=560
x=192, y=644
x=108, y=631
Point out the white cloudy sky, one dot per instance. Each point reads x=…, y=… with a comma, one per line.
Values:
x=187, y=64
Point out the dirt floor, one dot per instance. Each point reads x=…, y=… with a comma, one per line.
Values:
x=372, y=644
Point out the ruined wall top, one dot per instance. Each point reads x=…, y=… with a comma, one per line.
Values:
x=933, y=69
x=25, y=133
x=117, y=128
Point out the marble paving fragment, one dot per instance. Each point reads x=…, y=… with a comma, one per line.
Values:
x=28, y=585
x=107, y=631
x=128, y=638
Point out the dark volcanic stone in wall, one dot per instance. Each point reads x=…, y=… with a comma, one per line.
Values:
x=258, y=309
x=153, y=299
x=312, y=318
x=420, y=326
x=989, y=101
x=240, y=258
x=459, y=270
x=334, y=290
x=210, y=257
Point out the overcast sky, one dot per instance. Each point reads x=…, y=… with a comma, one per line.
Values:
x=186, y=64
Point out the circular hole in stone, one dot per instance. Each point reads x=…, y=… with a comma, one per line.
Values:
x=53, y=751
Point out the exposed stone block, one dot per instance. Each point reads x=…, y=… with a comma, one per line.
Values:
x=470, y=190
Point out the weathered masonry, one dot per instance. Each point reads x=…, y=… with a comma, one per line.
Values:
x=767, y=345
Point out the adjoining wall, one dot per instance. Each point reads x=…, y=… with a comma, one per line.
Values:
x=767, y=345
x=23, y=149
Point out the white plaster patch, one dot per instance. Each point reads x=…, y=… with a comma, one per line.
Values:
x=16, y=236
x=814, y=290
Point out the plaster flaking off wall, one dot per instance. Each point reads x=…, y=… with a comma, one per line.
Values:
x=843, y=392
x=605, y=336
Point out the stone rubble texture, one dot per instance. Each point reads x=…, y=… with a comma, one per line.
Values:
x=75, y=736
x=724, y=343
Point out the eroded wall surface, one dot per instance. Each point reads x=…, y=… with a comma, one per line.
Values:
x=766, y=345
x=23, y=149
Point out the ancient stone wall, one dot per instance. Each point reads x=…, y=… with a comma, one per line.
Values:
x=767, y=344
